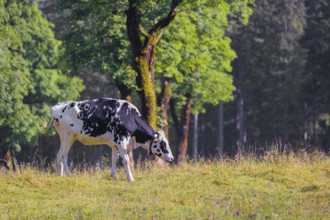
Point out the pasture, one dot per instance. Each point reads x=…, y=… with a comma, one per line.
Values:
x=279, y=187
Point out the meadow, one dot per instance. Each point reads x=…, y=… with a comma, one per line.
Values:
x=277, y=187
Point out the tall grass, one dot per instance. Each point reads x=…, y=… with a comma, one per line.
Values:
x=278, y=186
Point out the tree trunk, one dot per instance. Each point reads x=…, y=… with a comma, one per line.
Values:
x=144, y=66
x=163, y=102
x=177, y=125
x=7, y=159
x=41, y=149
x=239, y=124
x=125, y=92
x=305, y=125
x=146, y=78
x=313, y=142
x=175, y=117
x=185, y=130
x=144, y=53
x=220, y=129
x=285, y=123
x=204, y=149
x=195, y=140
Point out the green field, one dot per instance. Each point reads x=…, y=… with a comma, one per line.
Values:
x=275, y=188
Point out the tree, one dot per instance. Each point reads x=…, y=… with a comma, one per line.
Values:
x=31, y=79
x=94, y=38
x=202, y=57
x=144, y=36
x=317, y=94
x=145, y=23
x=269, y=72
x=97, y=36
x=89, y=42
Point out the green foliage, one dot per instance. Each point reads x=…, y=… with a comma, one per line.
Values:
x=94, y=36
x=287, y=188
x=195, y=52
x=316, y=86
x=269, y=70
x=316, y=41
x=30, y=78
x=153, y=11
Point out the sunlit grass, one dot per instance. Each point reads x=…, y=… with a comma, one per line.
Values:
x=284, y=187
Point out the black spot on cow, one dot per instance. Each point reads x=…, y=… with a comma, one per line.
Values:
x=118, y=117
x=157, y=154
x=71, y=125
x=98, y=117
x=71, y=105
x=163, y=147
x=61, y=116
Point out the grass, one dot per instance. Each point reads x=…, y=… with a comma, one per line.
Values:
x=275, y=188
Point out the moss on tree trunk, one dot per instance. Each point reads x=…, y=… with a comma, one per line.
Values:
x=146, y=73
x=145, y=52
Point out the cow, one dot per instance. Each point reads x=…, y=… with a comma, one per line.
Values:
x=113, y=122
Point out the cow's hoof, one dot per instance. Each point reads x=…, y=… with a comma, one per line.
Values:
x=114, y=176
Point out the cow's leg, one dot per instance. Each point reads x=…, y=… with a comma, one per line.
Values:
x=124, y=154
x=130, y=147
x=114, y=160
x=62, y=155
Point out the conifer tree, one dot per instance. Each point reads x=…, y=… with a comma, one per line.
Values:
x=269, y=71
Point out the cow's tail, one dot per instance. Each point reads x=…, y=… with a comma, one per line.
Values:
x=50, y=124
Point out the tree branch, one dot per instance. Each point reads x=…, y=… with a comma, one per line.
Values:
x=142, y=31
x=159, y=36
x=167, y=20
x=134, y=27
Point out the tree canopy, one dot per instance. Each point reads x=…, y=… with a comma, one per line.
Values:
x=196, y=54
x=30, y=77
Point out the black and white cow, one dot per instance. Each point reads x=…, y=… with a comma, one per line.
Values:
x=116, y=123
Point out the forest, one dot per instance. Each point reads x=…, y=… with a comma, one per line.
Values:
x=221, y=78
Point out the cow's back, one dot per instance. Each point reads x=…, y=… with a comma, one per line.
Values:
x=99, y=117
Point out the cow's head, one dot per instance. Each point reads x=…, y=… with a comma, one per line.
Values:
x=160, y=146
